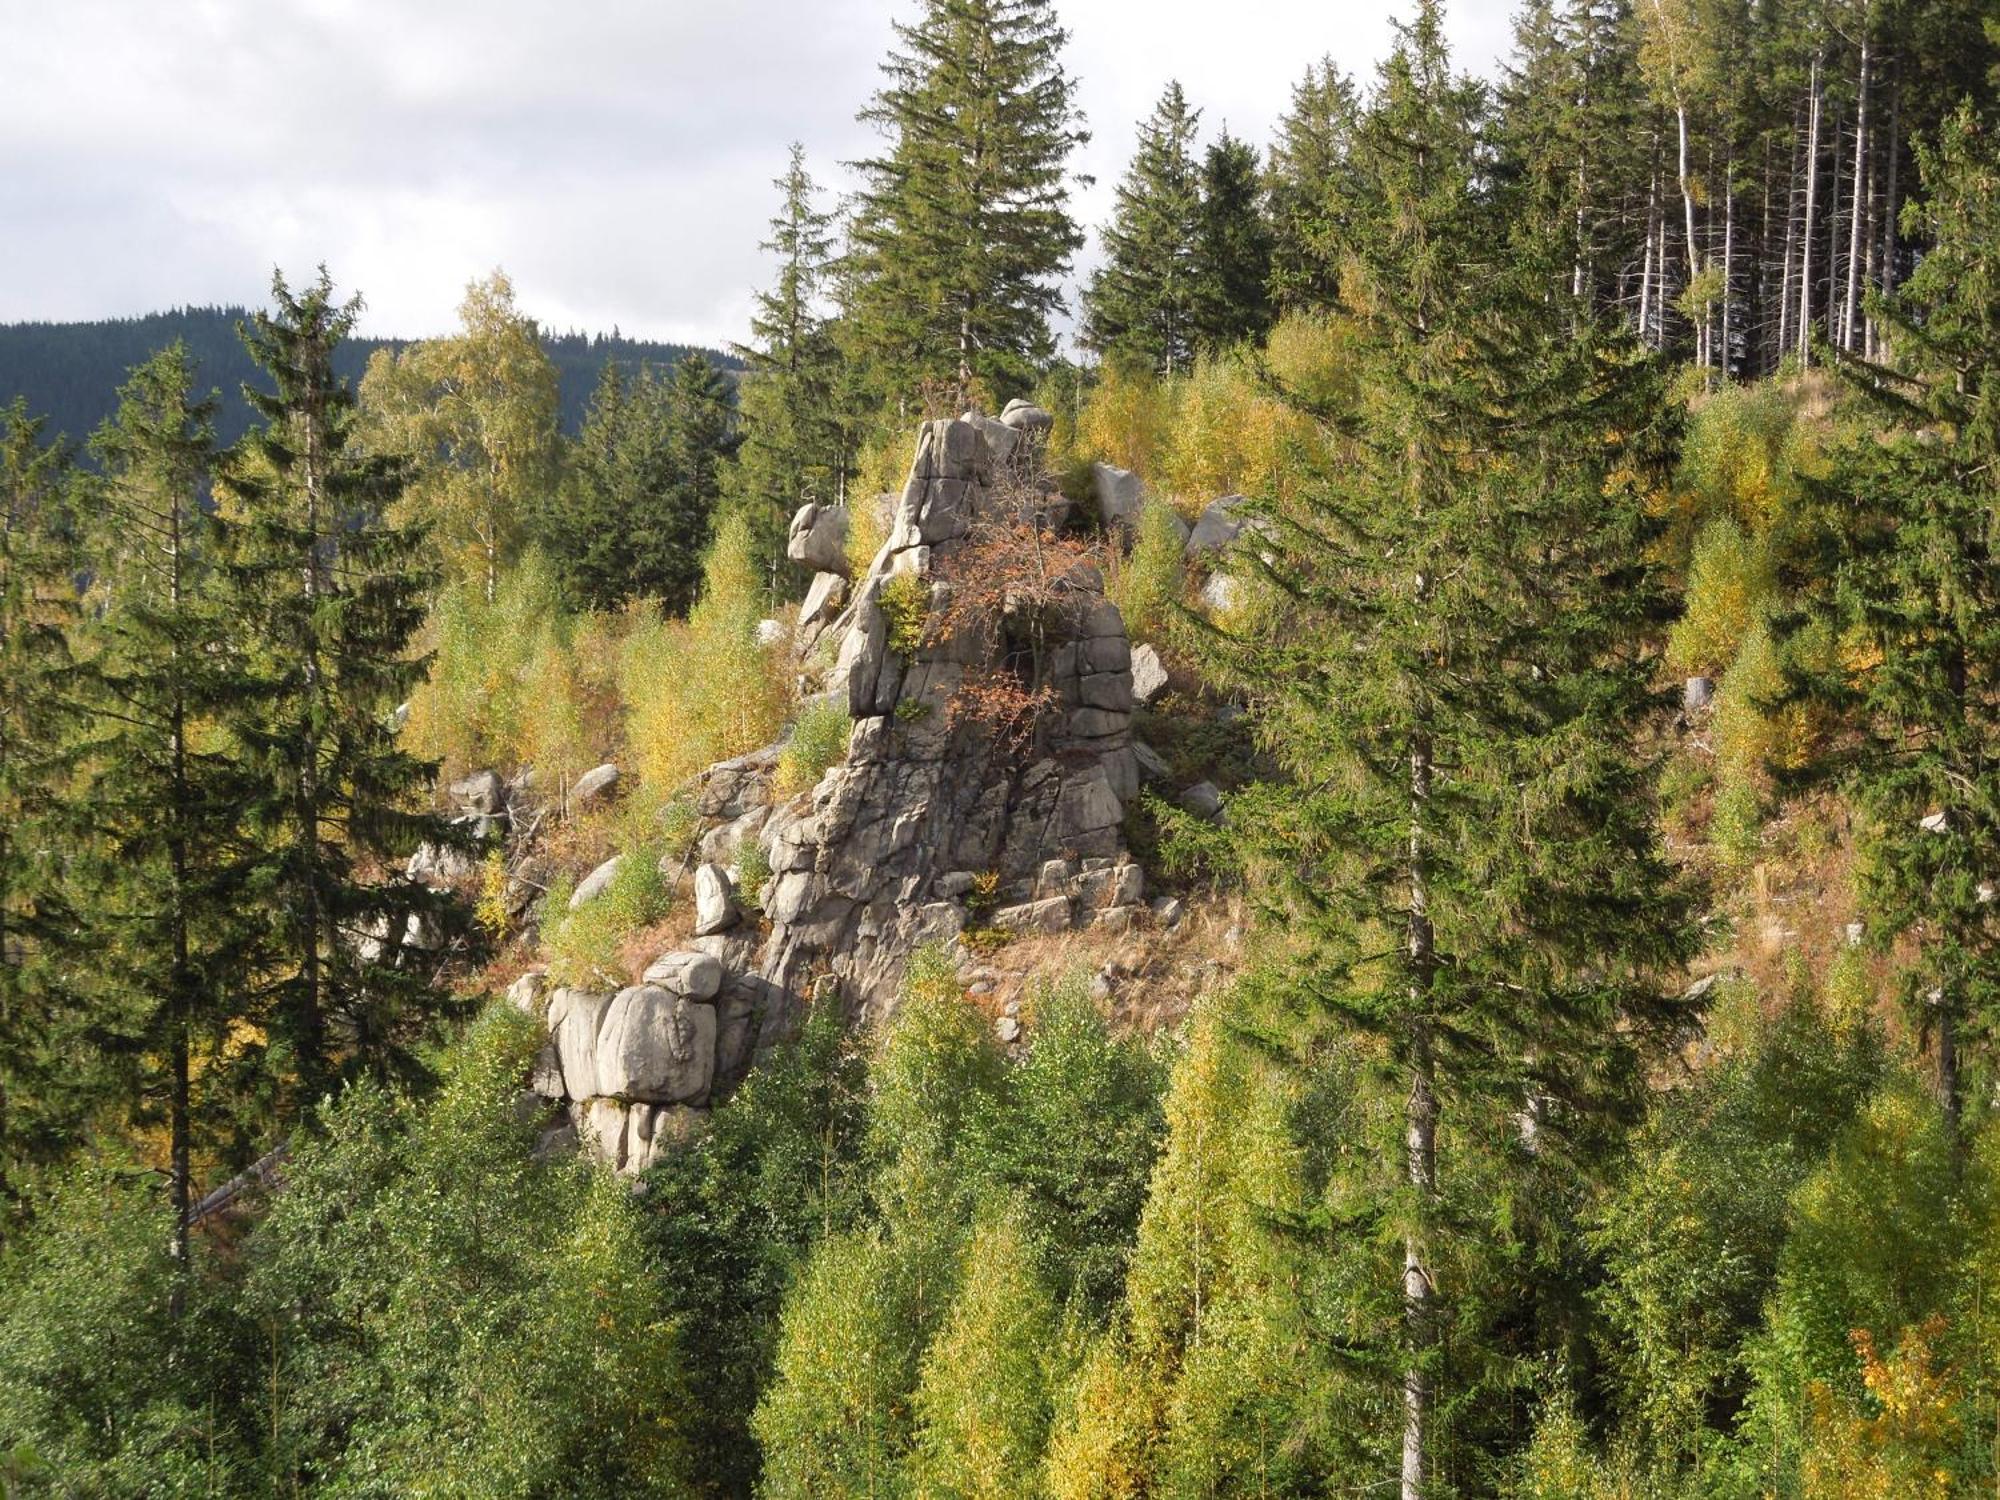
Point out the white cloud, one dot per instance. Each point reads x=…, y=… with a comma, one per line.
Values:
x=614, y=155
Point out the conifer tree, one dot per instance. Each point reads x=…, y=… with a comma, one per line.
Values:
x=796, y=447
x=326, y=595
x=1463, y=854
x=1141, y=304
x=1918, y=591
x=962, y=229
x=646, y=475
x=177, y=929
x=41, y=1093
x=1306, y=177
x=1233, y=247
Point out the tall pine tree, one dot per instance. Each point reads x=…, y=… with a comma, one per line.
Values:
x=1233, y=247
x=1306, y=181
x=1463, y=855
x=796, y=446
x=178, y=933
x=962, y=231
x=43, y=1091
x=1141, y=305
x=326, y=596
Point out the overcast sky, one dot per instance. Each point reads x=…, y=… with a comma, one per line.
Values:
x=614, y=156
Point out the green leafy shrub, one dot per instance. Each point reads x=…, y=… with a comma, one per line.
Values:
x=905, y=600
x=703, y=690
x=1730, y=589
x=583, y=944
x=753, y=869
x=818, y=742
x=1151, y=583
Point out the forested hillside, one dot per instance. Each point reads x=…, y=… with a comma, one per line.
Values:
x=1385, y=883
x=66, y=372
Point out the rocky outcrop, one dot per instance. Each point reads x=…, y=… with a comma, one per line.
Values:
x=936, y=821
x=863, y=866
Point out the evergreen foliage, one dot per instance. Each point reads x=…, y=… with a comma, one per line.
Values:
x=1914, y=602
x=181, y=943
x=45, y=1079
x=1473, y=883
x=1141, y=305
x=797, y=440
x=1233, y=247
x=326, y=594
x=962, y=231
x=645, y=479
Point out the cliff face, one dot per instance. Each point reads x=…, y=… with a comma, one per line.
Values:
x=935, y=802
x=941, y=816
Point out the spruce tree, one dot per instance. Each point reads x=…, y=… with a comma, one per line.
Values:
x=177, y=930
x=962, y=231
x=326, y=596
x=1463, y=855
x=1233, y=247
x=1306, y=177
x=43, y=1094
x=1916, y=601
x=796, y=446
x=646, y=476
x=1141, y=304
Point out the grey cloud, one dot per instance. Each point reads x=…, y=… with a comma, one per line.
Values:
x=614, y=155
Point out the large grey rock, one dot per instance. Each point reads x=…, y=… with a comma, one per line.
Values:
x=1001, y=438
x=573, y=1019
x=1120, y=495
x=1025, y=416
x=1204, y=800
x=481, y=792
x=1152, y=767
x=818, y=538
x=1049, y=915
x=1221, y=593
x=655, y=1046
x=1697, y=693
x=596, y=883
x=593, y=784
x=1149, y=674
x=692, y=976
x=1087, y=803
x=1217, y=526
x=865, y=866
x=525, y=993
x=714, y=901
x=822, y=602
x=438, y=866
x=601, y=1125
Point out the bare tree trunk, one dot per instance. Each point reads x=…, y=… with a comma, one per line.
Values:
x=1693, y=244
x=1804, y=330
x=1836, y=202
x=1785, y=274
x=1728, y=259
x=1646, y=265
x=1850, y=312
x=1890, y=207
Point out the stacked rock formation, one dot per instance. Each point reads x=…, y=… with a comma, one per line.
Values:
x=935, y=822
x=878, y=859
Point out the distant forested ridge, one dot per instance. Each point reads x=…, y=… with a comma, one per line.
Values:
x=68, y=371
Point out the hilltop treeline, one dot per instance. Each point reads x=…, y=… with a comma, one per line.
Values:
x=67, y=371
